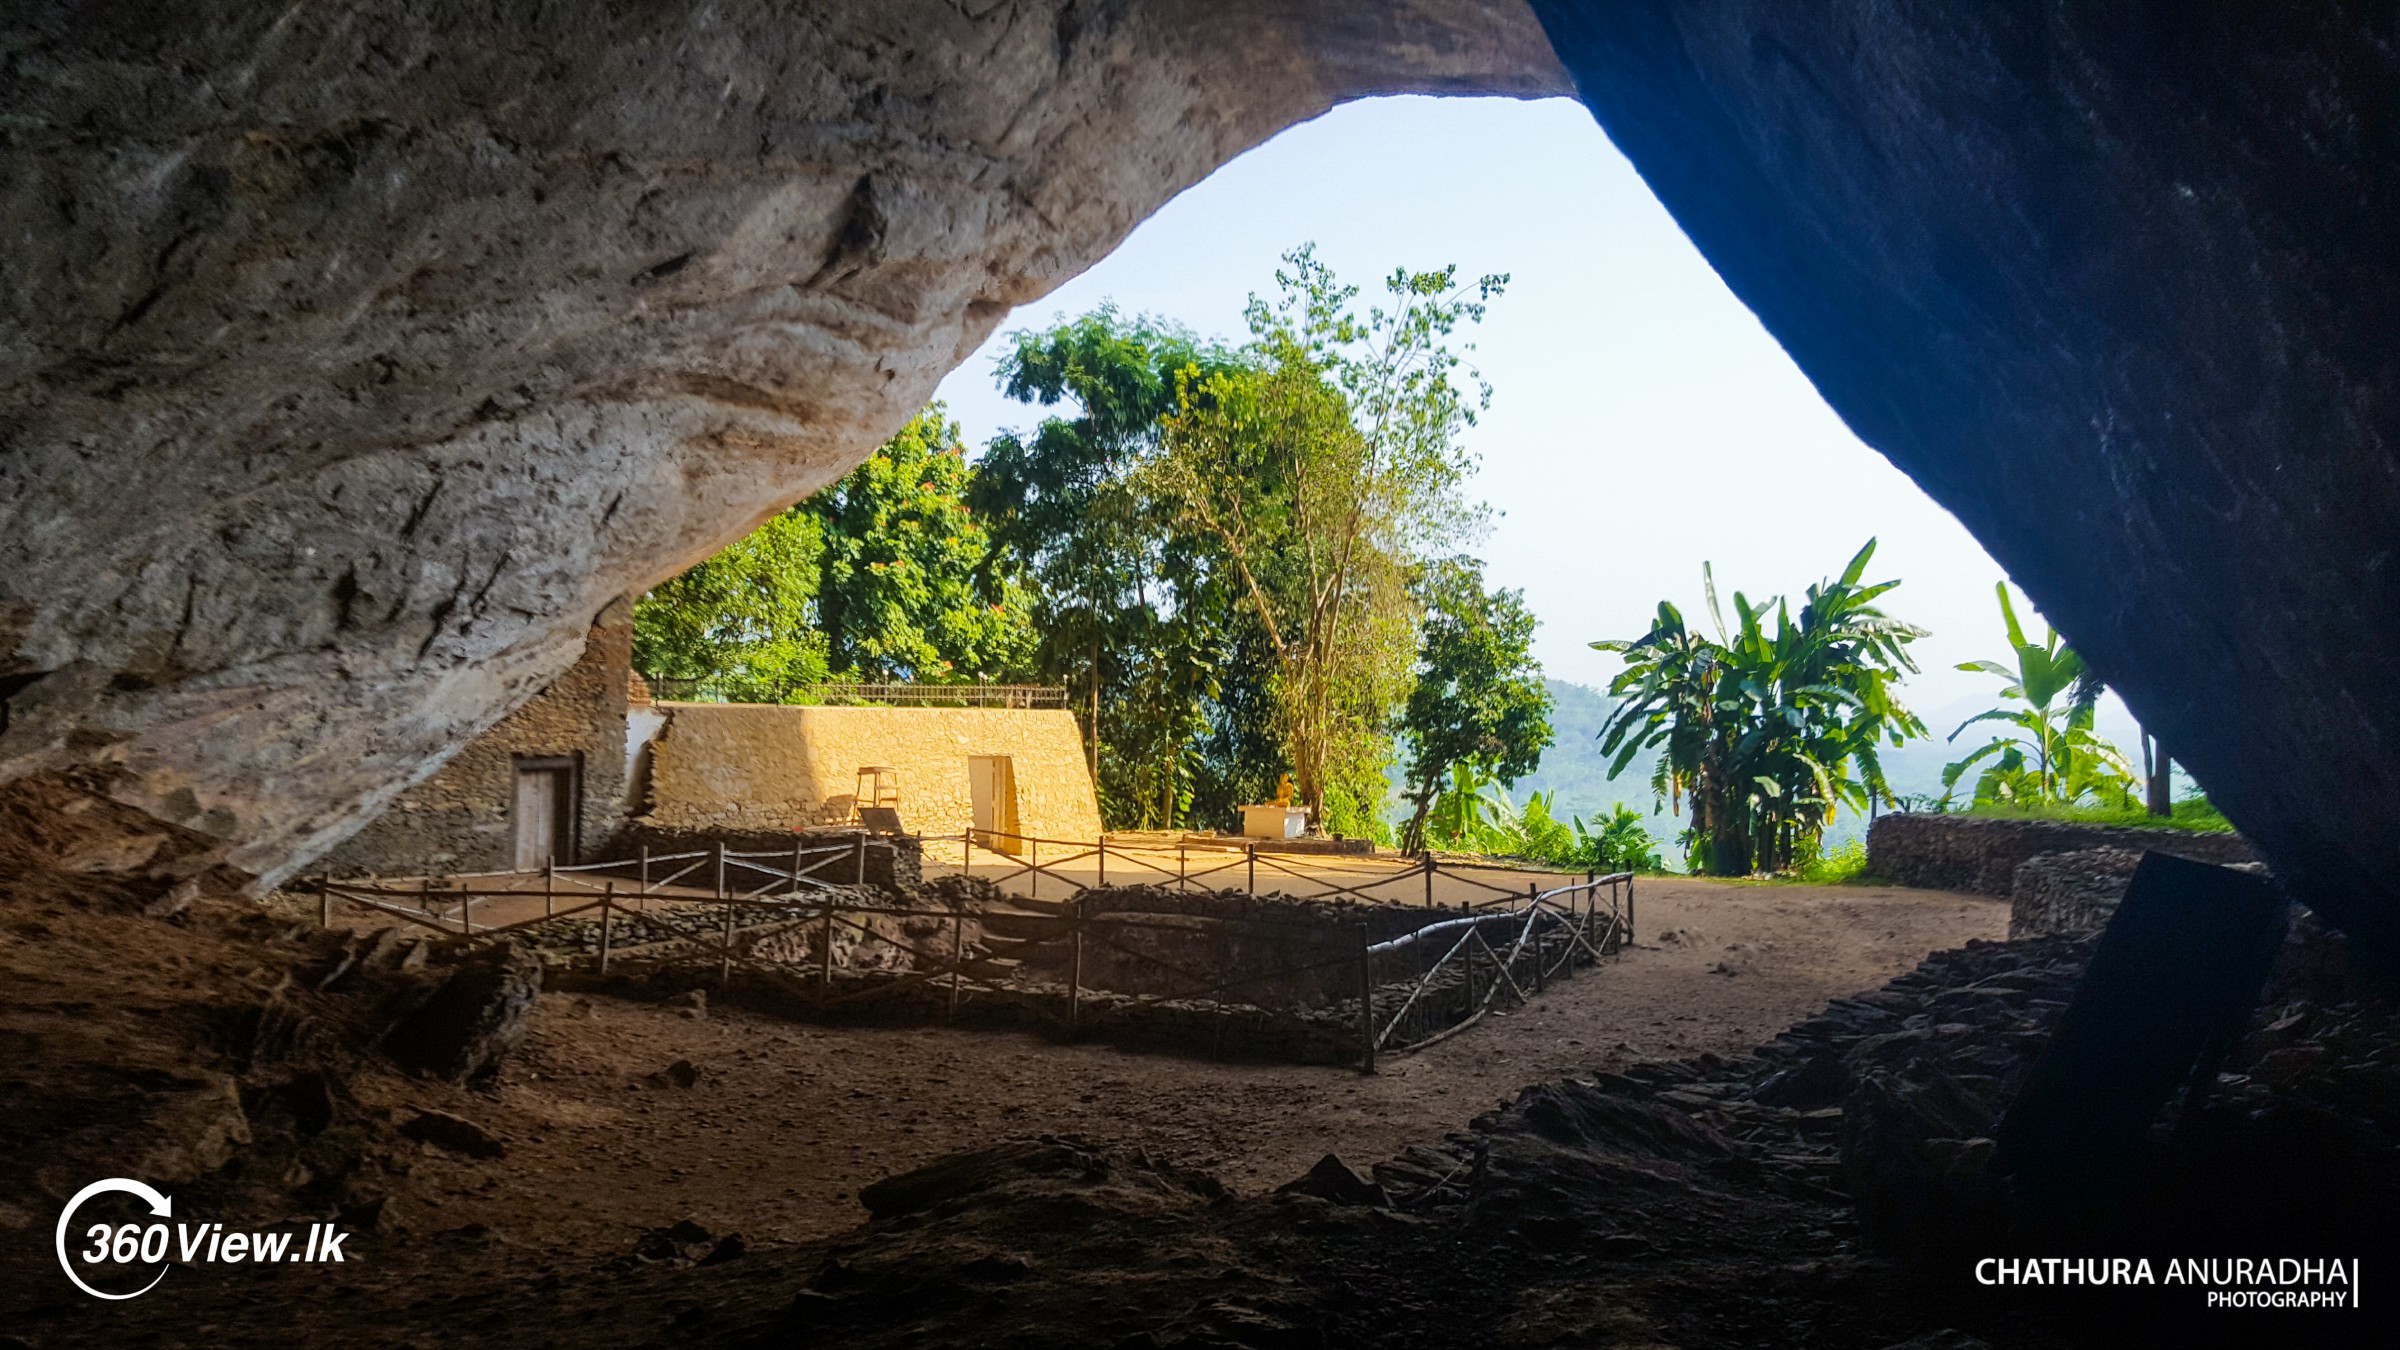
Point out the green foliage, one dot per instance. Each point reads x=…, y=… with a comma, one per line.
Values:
x=743, y=620
x=2050, y=755
x=1769, y=732
x=1130, y=614
x=1479, y=697
x=1622, y=843
x=1473, y=814
x=902, y=594
x=1320, y=471
x=1211, y=548
x=2192, y=813
x=1844, y=864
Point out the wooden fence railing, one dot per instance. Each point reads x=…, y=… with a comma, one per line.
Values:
x=706, y=905
x=1147, y=863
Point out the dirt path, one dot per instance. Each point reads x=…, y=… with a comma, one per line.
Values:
x=786, y=1122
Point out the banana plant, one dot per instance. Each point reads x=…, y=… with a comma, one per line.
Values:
x=2050, y=753
x=1774, y=726
x=1473, y=813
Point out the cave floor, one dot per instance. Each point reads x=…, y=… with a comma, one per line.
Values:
x=783, y=1123
x=786, y=1122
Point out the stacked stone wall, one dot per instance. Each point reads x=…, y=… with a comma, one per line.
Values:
x=729, y=766
x=1981, y=854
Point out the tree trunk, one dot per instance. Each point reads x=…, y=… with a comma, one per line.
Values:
x=1412, y=837
x=2160, y=770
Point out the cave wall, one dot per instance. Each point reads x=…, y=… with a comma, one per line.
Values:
x=352, y=356
x=462, y=819
x=2119, y=285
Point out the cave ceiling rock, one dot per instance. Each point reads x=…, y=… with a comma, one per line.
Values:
x=357, y=355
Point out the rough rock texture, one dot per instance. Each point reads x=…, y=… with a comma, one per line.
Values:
x=463, y=818
x=474, y=1020
x=353, y=357
x=2116, y=284
x=2071, y=892
x=1981, y=854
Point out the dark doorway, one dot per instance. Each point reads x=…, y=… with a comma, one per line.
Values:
x=545, y=812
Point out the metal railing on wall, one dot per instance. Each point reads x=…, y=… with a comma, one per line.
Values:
x=899, y=694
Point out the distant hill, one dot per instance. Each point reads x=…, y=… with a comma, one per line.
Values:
x=1573, y=766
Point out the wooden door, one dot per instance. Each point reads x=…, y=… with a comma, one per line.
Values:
x=545, y=814
x=992, y=793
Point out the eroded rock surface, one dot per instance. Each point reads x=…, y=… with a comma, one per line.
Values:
x=353, y=357
x=2116, y=284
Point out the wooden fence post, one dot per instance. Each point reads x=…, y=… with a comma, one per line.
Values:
x=325, y=902
x=958, y=955
x=1033, y=880
x=1628, y=909
x=1566, y=968
x=794, y=893
x=862, y=859
x=1252, y=850
x=1429, y=878
x=966, y=852
x=825, y=957
x=549, y=887
x=644, y=900
x=1104, y=860
x=725, y=952
x=1366, y=1002
x=1533, y=929
x=1466, y=958
x=1075, y=967
x=1182, y=865
x=608, y=913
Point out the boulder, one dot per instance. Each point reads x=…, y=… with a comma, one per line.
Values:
x=475, y=1018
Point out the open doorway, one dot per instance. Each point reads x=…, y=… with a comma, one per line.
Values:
x=992, y=789
x=544, y=810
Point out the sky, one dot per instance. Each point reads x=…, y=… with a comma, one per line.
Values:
x=1642, y=421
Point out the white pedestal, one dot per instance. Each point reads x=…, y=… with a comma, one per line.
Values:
x=1274, y=822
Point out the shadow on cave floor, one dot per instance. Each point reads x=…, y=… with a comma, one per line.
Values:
x=1714, y=1200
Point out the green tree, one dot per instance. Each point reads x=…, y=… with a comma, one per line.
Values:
x=743, y=621
x=1321, y=471
x=903, y=593
x=1129, y=610
x=1769, y=731
x=2051, y=754
x=1479, y=697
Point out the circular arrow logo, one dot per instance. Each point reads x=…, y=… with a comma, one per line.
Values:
x=160, y=1206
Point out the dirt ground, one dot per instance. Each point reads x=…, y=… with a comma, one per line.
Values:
x=784, y=1122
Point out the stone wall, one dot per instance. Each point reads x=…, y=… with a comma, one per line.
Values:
x=724, y=766
x=1981, y=854
x=1292, y=953
x=462, y=818
x=2069, y=892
